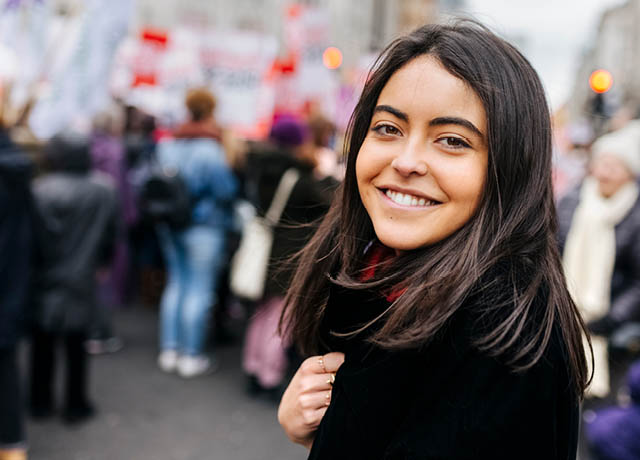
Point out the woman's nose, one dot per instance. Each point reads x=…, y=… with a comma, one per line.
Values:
x=410, y=161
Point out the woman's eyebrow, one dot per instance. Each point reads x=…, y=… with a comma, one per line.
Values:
x=393, y=111
x=456, y=121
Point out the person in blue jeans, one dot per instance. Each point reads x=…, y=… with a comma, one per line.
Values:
x=194, y=255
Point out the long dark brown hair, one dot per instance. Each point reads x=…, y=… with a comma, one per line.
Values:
x=507, y=250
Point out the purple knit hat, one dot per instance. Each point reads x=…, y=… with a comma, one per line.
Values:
x=288, y=131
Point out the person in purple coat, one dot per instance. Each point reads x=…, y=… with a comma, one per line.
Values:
x=108, y=157
x=614, y=433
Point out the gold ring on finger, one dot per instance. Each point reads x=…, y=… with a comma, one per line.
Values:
x=332, y=379
x=321, y=362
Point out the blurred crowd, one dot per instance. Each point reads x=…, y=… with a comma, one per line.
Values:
x=598, y=225
x=138, y=213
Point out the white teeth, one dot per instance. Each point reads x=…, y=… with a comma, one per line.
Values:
x=407, y=200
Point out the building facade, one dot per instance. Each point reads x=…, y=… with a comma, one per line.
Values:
x=616, y=48
x=357, y=27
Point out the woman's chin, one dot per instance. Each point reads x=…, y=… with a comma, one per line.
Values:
x=398, y=244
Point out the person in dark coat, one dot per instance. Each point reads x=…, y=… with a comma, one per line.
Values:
x=265, y=361
x=309, y=200
x=16, y=247
x=431, y=304
x=599, y=223
x=77, y=221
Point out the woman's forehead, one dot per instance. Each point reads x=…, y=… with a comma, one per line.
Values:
x=424, y=88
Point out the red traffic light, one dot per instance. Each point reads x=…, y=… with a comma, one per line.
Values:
x=332, y=57
x=601, y=81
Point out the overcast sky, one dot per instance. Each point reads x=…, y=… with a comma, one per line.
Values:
x=552, y=34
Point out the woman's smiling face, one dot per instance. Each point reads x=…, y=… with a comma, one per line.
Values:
x=422, y=167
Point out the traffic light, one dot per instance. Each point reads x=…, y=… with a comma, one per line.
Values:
x=600, y=81
x=332, y=57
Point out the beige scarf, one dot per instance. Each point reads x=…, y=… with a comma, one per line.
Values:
x=588, y=258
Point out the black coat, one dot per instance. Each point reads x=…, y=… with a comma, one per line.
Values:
x=76, y=232
x=16, y=242
x=625, y=280
x=309, y=200
x=446, y=401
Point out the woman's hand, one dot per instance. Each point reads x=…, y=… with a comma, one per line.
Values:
x=307, y=397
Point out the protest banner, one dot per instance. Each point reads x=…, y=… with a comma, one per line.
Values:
x=26, y=30
x=236, y=66
x=77, y=84
x=307, y=36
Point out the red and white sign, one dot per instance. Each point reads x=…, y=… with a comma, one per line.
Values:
x=236, y=65
x=155, y=75
x=307, y=32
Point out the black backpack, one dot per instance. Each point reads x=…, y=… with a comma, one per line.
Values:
x=165, y=198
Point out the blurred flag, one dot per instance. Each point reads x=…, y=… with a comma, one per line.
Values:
x=77, y=87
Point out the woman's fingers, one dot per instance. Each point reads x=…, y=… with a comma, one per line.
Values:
x=312, y=375
x=307, y=397
x=333, y=361
x=315, y=400
x=313, y=417
x=303, y=405
x=315, y=382
x=324, y=364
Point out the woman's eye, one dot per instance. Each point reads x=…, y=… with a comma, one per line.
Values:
x=454, y=142
x=386, y=130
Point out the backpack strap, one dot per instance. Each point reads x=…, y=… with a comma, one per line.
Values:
x=280, y=198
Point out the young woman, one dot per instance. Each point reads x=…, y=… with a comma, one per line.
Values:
x=432, y=295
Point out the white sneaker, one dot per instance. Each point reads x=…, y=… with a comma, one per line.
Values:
x=193, y=366
x=168, y=360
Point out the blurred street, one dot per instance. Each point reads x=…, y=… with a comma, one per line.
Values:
x=145, y=414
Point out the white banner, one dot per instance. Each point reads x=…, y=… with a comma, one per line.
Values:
x=25, y=28
x=308, y=36
x=78, y=85
x=235, y=65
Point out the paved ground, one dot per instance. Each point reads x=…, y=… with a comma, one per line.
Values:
x=145, y=414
